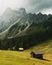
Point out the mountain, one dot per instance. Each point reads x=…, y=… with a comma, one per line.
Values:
x=15, y=21
x=10, y=16
x=24, y=30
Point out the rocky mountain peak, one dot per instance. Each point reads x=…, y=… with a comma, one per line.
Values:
x=22, y=10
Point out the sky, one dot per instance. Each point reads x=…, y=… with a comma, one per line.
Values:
x=31, y=6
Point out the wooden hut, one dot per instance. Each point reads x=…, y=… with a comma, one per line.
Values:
x=37, y=54
x=21, y=49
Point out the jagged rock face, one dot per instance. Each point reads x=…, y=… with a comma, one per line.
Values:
x=16, y=23
x=19, y=23
x=22, y=11
x=10, y=16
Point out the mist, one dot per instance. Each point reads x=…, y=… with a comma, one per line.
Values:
x=32, y=6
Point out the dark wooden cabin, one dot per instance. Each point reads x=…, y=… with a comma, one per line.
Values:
x=37, y=54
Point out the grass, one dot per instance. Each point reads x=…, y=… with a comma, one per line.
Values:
x=24, y=58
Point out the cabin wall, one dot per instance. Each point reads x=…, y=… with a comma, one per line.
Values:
x=39, y=56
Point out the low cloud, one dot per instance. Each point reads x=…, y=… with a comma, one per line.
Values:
x=33, y=6
x=39, y=5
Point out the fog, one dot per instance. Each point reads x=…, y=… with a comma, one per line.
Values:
x=33, y=6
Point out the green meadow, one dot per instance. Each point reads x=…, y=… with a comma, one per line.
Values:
x=8, y=57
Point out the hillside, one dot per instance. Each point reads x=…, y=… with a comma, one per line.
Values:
x=21, y=58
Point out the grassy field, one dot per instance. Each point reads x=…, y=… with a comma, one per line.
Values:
x=24, y=58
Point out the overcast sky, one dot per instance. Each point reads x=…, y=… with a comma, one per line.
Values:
x=33, y=6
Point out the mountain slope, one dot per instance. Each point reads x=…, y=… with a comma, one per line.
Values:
x=25, y=30
x=10, y=16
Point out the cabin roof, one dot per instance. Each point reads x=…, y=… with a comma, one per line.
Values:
x=21, y=48
x=37, y=52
